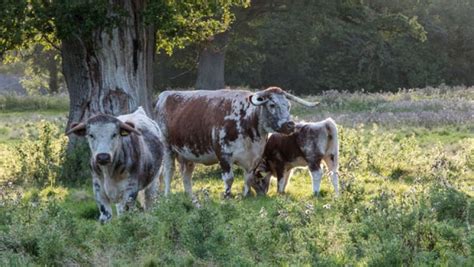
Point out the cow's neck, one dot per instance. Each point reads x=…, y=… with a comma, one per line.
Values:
x=262, y=130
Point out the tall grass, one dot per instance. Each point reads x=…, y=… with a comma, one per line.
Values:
x=12, y=102
x=401, y=204
x=426, y=107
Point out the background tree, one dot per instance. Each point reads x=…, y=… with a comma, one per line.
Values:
x=212, y=52
x=42, y=72
x=39, y=68
x=108, y=47
x=210, y=70
x=314, y=45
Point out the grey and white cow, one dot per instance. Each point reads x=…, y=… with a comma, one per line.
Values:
x=126, y=155
x=309, y=145
x=223, y=126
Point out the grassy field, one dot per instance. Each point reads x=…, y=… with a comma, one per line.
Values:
x=407, y=162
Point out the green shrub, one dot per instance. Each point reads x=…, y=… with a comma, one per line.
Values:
x=39, y=158
x=451, y=204
x=75, y=168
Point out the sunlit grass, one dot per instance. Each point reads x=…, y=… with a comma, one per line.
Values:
x=407, y=199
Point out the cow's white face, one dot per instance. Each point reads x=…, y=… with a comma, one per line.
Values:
x=276, y=115
x=104, y=141
x=104, y=134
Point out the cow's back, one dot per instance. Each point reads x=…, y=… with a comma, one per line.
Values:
x=147, y=147
x=317, y=137
x=191, y=120
x=281, y=147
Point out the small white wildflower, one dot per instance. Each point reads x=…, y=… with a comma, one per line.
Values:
x=263, y=212
x=327, y=206
x=283, y=213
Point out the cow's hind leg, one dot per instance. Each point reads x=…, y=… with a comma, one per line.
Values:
x=332, y=164
x=187, y=168
x=102, y=201
x=168, y=169
x=151, y=192
x=129, y=197
x=316, y=175
x=227, y=176
x=248, y=178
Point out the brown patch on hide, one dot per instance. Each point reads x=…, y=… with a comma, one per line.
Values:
x=190, y=120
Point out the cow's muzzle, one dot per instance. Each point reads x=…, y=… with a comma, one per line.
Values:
x=103, y=158
x=287, y=127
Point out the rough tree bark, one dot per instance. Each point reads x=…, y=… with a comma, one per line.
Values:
x=210, y=74
x=111, y=72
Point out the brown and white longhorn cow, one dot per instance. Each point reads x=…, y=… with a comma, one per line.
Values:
x=223, y=126
x=126, y=155
x=310, y=144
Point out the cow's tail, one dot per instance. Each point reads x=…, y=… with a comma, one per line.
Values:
x=332, y=148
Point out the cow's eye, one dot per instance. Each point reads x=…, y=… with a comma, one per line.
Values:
x=91, y=136
x=272, y=105
x=114, y=135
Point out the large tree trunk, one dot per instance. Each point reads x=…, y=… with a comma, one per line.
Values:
x=211, y=63
x=111, y=72
x=53, y=72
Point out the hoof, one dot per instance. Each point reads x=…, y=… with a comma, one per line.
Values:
x=104, y=220
x=227, y=195
x=316, y=194
x=247, y=195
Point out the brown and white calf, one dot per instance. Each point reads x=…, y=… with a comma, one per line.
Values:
x=223, y=126
x=310, y=144
x=126, y=155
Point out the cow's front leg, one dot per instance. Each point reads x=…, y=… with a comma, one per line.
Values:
x=102, y=201
x=187, y=168
x=128, y=198
x=227, y=176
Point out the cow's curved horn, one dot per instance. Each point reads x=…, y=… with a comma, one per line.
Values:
x=301, y=101
x=257, y=99
x=129, y=127
x=77, y=128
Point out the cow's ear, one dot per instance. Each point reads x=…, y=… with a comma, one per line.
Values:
x=124, y=132
x=128, y=127
x=258, y=99
x=78, y=129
